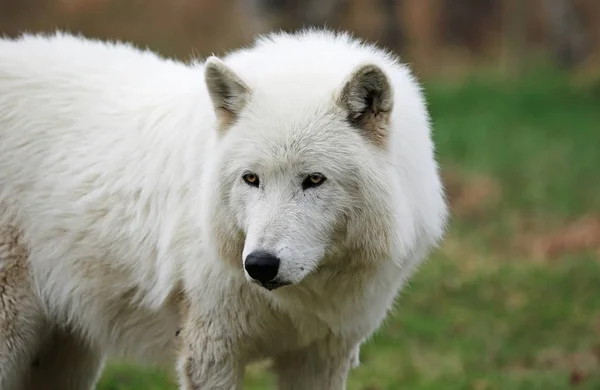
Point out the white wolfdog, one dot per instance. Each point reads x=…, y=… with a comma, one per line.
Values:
x=269, y=205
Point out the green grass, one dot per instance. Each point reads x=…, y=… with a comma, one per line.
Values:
x=483, y=313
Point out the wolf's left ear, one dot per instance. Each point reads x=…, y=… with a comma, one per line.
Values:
x=367, y=98
x=229, y=94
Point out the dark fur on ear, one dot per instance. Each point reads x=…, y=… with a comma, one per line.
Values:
x=229, y=94
x=367, y=99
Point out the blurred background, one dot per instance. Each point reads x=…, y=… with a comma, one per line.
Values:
x=512, y=298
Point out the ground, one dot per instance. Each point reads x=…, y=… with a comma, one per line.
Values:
x=512, y=299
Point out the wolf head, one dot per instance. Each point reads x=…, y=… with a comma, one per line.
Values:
x=305, y=172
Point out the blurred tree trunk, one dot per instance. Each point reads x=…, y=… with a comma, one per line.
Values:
x=393, y=36
x=569, y=41
x=322, y=12
x=422, y=26
x=294, y=14
x=515, y=15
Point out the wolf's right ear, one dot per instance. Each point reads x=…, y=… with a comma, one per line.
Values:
x=229, y=94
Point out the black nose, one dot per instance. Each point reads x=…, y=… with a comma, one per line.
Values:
x=262, y=266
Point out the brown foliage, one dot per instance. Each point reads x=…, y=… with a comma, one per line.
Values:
x=470, y=195
x=581, y=235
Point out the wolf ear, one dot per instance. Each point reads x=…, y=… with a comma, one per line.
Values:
x=367, y=100
x=229, y=94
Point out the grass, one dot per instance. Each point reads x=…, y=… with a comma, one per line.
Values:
x=489, y=311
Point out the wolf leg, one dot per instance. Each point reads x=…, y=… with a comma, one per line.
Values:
x=22, y=323
x=323, y=365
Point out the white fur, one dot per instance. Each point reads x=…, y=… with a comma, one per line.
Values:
x=126, y=189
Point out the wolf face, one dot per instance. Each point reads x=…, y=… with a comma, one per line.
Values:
x=295, y=170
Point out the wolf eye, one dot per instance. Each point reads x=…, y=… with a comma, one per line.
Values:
x=313, y=180
x=251, y=179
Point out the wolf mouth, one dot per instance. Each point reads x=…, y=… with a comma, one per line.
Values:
x=274, y=285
